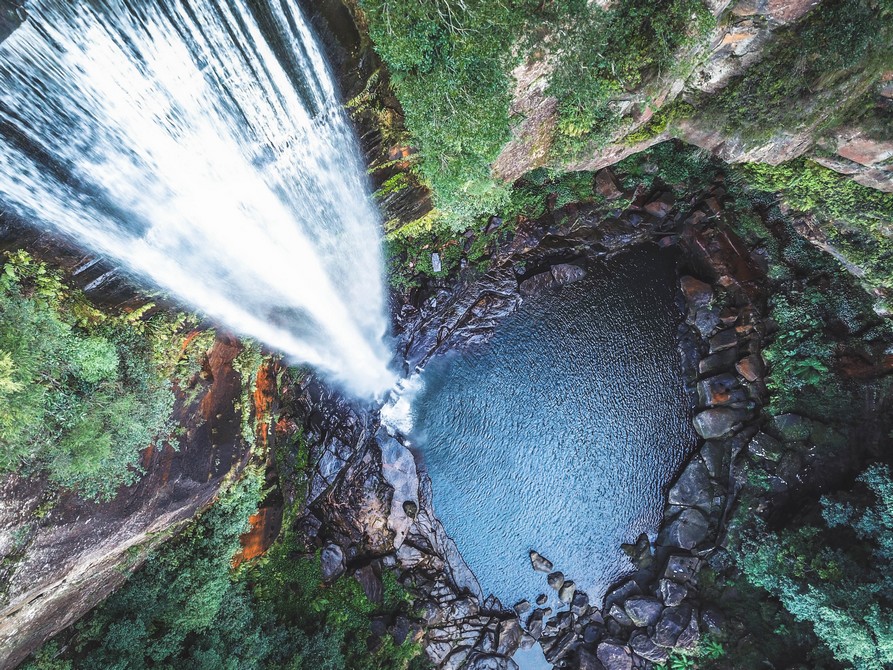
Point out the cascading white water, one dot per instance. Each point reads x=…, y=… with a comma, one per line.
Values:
x=201, y=144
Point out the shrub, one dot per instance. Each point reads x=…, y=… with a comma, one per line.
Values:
x=83, y=391
x=841, y=581
x=809, y=73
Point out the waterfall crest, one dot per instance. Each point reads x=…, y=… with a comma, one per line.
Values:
x=201, y=144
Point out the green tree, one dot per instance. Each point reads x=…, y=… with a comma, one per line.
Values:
x=840, y=581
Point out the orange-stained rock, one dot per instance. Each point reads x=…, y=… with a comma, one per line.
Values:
x=864, y=150
x=264, y=529
x=751, y=368
x=606, y=185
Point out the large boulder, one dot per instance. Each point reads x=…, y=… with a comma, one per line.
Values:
x=567, y=273
x=643, y=610
x=333, y=566
x=696, y=292
x=720, y=390
x=672, y=593
x=672, y=623
x=509, y=637
x=791, y=427
x=491, y=662
x=687, y=530
x=644, y=646
x=765, y=447
x=566, y=592
x=693, y=488
x=538, y=283
x=713, y=423
x=682, y=568
x=540, y=563
x=588, y=661
x=614, y=657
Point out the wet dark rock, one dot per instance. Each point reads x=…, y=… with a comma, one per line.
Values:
x=687, y=530
x=527, y=641
x=400, y=630
x=567, y=273
x=720, y=390
x=640, y=552
x=592, y=633
x=660, y=207
x=691, y=635
x=522, y=607
x=750, y=367
x=580, y=603
x=410, y=508
x=535, y=622
x=672, y=593
x=645, y=647
x=509, y=637
x=541, y=599
x=672, y=623
x=555, y=580
x=606, y=186
x=562, y=621
x=707, y=321
x=333, y=566
x=696, y=292
x=540, y=563
x=715, y=363
x=713, y=453
x=724, y=339
x=682, y=568
x=492, y=224
x=693, y=488
x=791, y=427
x=537, y=284
x=566, y=592
x=369, y=577
x=588, y=661
x=490, y=662
x=643, y=610
x=620, y=616
x=765, y=447
x=713, y=619
x=713, y=423
x=790, y=468
x=561, y=647
x=622, y=592
x=614, y=657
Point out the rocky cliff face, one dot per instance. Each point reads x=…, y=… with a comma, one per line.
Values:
x=692, y=103
x=62, y=555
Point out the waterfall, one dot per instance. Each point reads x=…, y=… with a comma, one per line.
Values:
x=201, y=144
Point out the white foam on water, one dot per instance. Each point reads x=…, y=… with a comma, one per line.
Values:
x=201, y=144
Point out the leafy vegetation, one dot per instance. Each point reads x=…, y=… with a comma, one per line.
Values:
x=189, y=608
x=449, y=64
x=857, y=218
x=810, y=68
x=608, y=53
x=81, y=391
x=409, y=247
x=837, y=574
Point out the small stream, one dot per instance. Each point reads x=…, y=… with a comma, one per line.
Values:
x=561, y=433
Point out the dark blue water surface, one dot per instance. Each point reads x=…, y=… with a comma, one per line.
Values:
x=560, y=434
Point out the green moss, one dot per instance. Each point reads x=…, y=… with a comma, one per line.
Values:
x=812, y=73
x=607, y=53
x=663, y=119
x=856, y=218
x=450, y=65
